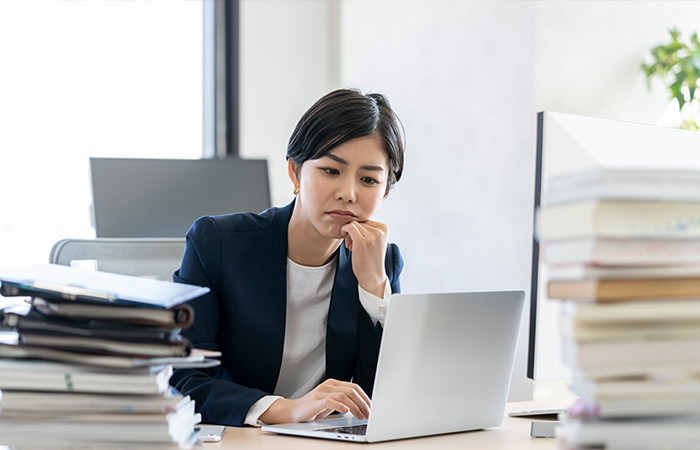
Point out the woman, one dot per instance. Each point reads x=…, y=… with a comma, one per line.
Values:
x=298, y=294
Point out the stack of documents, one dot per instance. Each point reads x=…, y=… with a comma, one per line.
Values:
x=91, y=360
x=626, y=263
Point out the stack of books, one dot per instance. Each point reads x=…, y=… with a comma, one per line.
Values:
x=623, y=254
x=91, y=359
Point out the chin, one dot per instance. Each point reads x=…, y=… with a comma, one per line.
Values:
x=333, y=233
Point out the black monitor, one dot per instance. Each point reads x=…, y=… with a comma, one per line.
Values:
x=536, y=276
x=162, y=197
x=567, y=144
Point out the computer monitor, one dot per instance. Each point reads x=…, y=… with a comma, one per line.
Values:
x=163, y=197
x=568, y=143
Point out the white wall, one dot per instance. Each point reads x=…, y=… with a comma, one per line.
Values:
x=289, y=59
x=588, y=55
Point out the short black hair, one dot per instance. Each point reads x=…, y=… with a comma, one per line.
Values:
x=343, y=115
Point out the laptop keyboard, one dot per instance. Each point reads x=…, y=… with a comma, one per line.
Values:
x=352, y=429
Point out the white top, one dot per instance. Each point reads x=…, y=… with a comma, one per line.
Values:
x=308, y=300
x=304, y=358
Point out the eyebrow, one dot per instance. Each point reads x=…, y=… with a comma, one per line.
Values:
x=340, y=160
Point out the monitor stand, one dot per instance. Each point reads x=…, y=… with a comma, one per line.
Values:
x=544, y=420
x=543, y=428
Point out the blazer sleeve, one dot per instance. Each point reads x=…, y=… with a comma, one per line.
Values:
x=369, y=336
x=394, y=267
x=220, y=401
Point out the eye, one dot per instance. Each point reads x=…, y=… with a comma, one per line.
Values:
x=369, y=180
x=330, y=170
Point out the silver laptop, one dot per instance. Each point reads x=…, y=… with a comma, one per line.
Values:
x=444, y=366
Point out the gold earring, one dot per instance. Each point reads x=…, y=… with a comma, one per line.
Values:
x=296, y=190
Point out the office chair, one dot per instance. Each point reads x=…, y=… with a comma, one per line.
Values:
x=154, y=258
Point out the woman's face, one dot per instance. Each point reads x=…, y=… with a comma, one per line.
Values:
x=347, y=184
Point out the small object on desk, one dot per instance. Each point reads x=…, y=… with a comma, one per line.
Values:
x=543, y=428
x=210, y=433
x=541, y=413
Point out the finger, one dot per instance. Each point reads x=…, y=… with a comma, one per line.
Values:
x=334, y=404
x=374, y=232
x=363, y=400
x=350, y=397
x=373, y=224
x=349, y=394
x=355, y=404
x=346, y=228
x=355, y=387
x=344, y=405
x=364, y=396
x=353, y=233
x=353, y=229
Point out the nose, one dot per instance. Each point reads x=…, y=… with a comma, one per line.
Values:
x=346, y=190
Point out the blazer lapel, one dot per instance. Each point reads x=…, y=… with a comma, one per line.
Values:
x=276, y=300
x=341, y=350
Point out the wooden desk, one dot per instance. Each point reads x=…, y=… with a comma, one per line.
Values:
x=513, y=434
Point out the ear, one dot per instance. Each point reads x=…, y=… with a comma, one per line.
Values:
x=292, y=171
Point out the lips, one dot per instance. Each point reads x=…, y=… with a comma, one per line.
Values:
x=342, y=215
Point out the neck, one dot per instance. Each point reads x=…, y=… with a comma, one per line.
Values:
x=305, y=245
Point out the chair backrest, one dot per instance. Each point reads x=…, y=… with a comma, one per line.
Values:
x=154, y=258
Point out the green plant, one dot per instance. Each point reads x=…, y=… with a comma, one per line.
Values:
x=678, y=65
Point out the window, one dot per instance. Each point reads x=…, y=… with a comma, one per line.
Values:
x=81, y=79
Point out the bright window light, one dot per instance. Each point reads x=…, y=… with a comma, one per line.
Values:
x=81, y=79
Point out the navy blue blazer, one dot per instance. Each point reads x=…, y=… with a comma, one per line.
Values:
x=242, y=258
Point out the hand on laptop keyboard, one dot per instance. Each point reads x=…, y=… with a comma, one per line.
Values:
x=329, y=396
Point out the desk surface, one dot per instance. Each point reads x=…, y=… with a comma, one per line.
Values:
x=513, y=434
